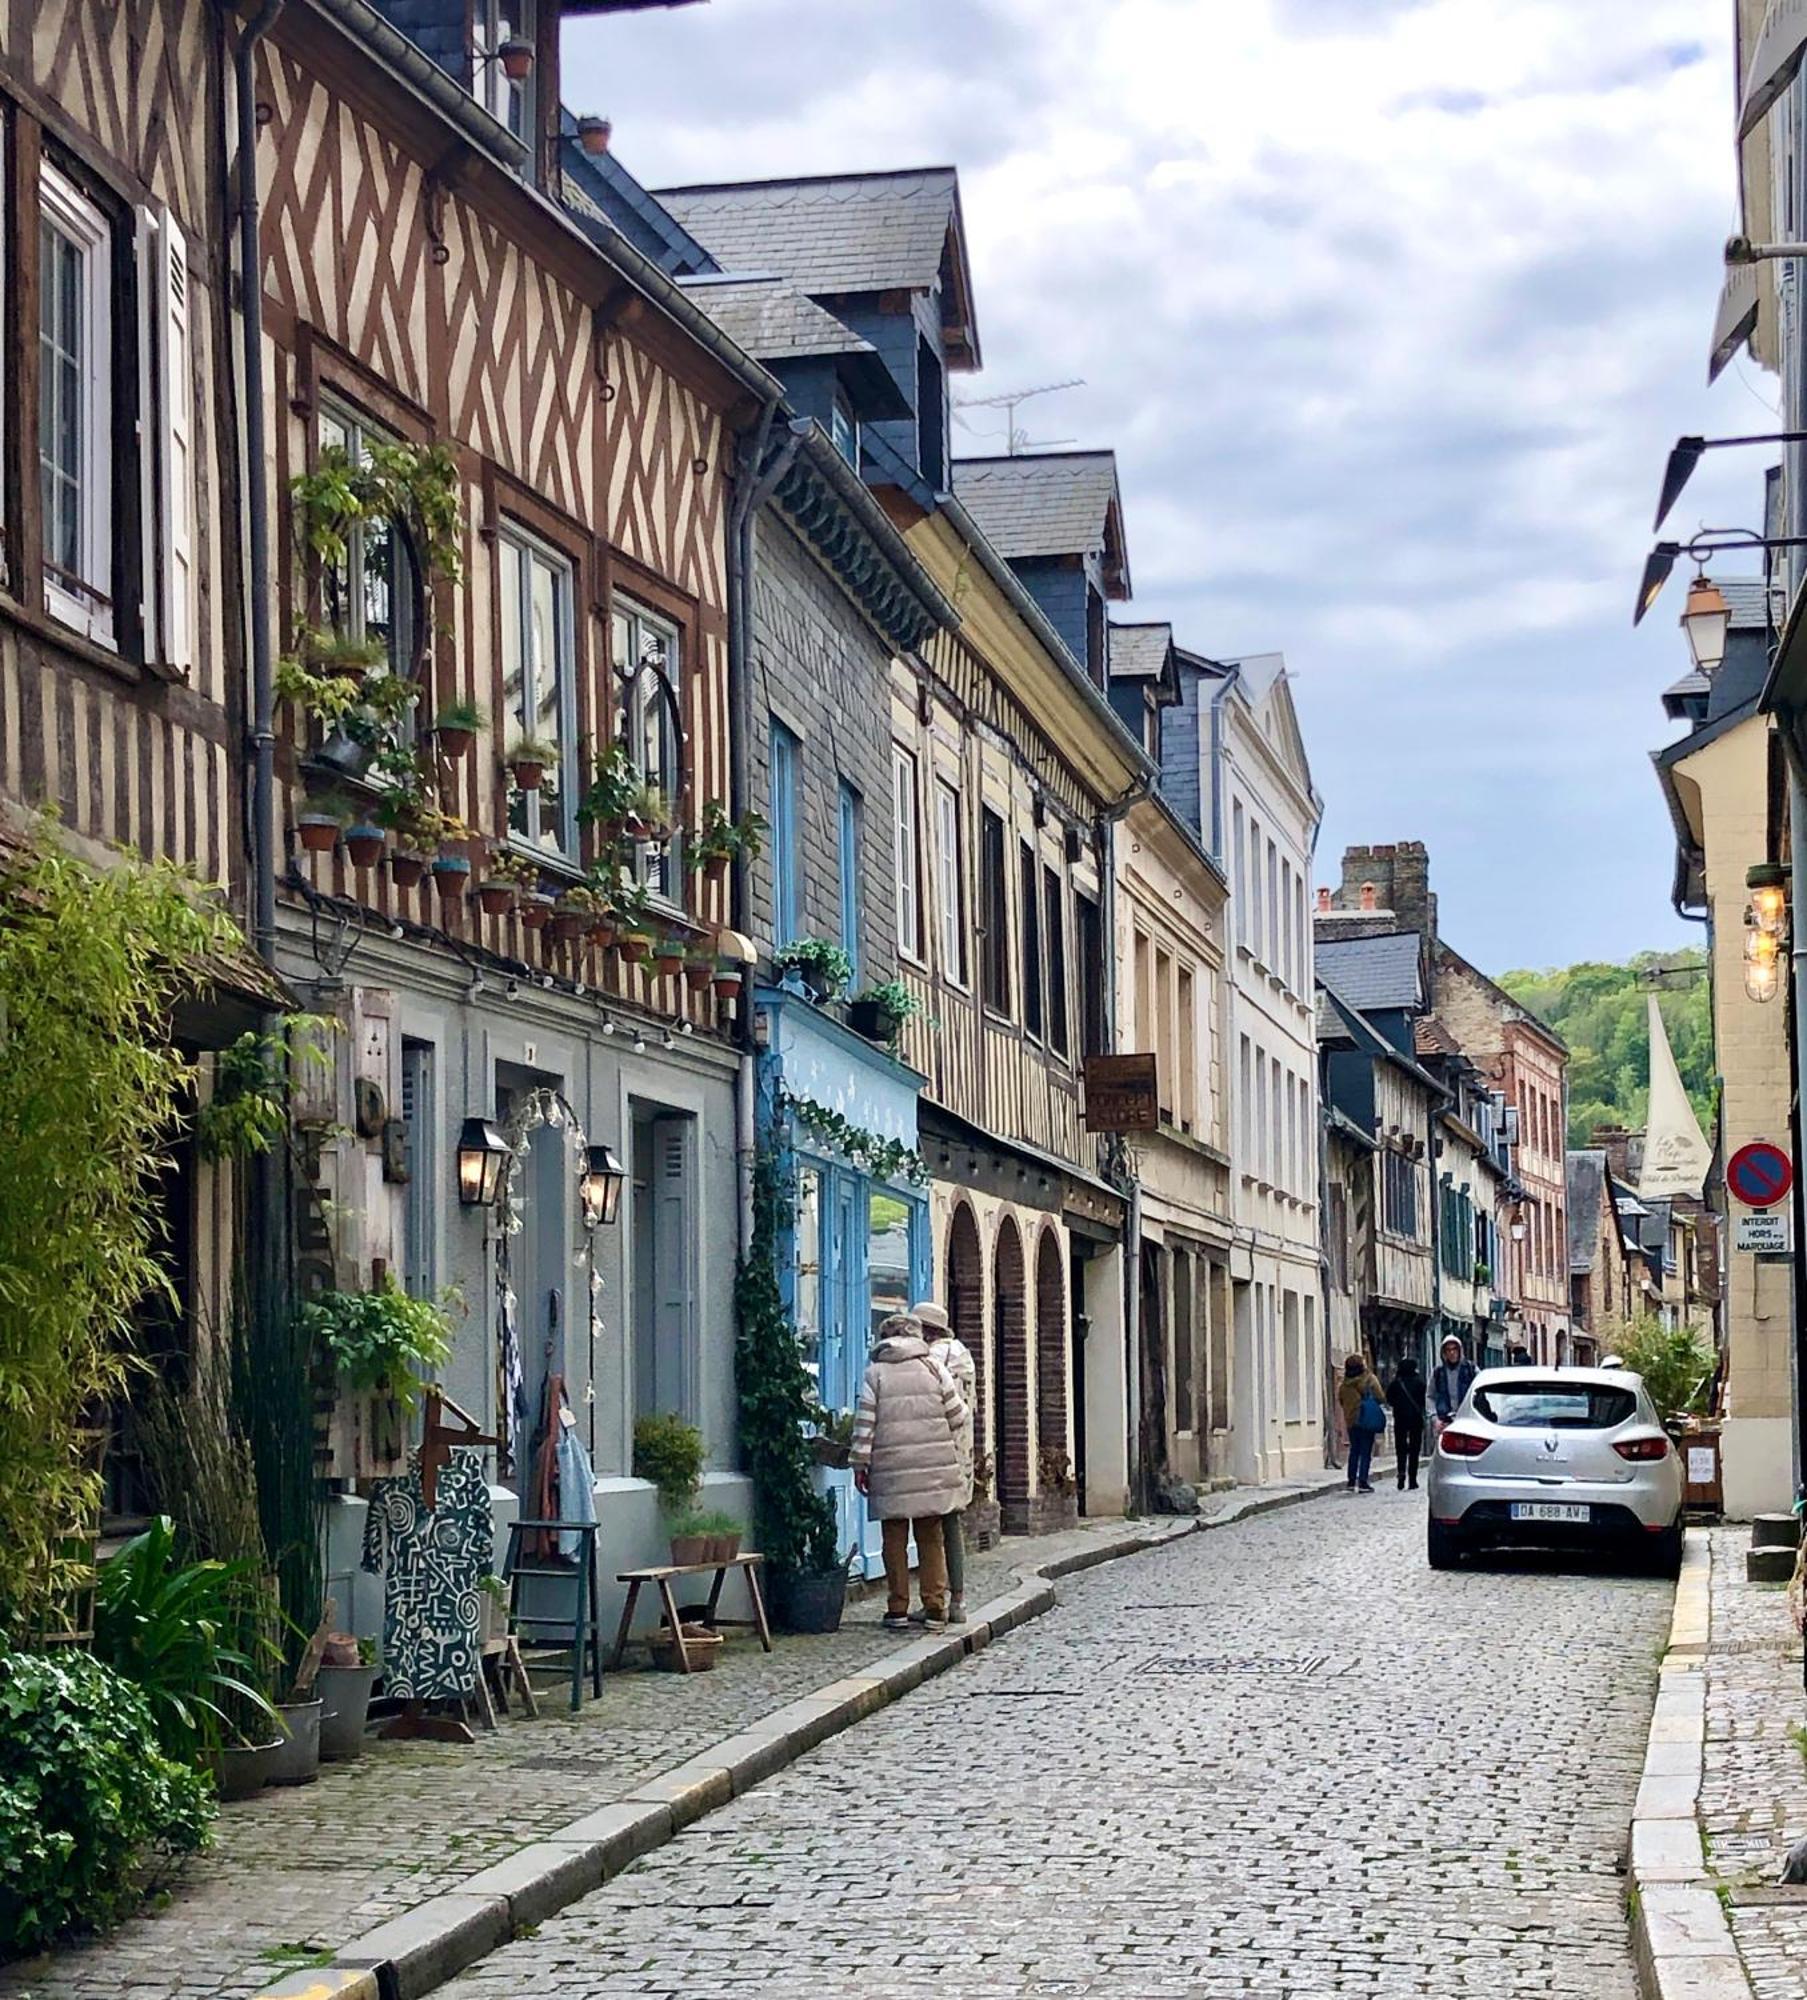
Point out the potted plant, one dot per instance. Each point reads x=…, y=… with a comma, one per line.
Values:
x=699, y=966
x=535, y=907
x=365, y=841
x=833, y=1441
x=527, y=760
x=451, y=874
x=346, y=1680
x=505, y=875
x=669, y=1453
x=319, y=821
x=342, y=654
x=380, y=1342
x=690, y=1537
x=650, y=815
x=493, y=1605
x=1483, y=1272
x=634, y=945
x=822, y=968
x=613, y=787
x=668, y=952
x=720, y=840
x=456, y=725
x=723, y=1533
x=881, y=1011
x=573, y=912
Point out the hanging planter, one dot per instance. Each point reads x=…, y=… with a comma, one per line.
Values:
x=455, y=728
x=364, y=842
x=406, y=869
x=318, y=832
x=495, y=899
x=601, y=932
x=668, y=956
x=451, y=875
x=726, y=982
x=527, y=762
x=635, y=947
x=698, y=972
x=536, y=909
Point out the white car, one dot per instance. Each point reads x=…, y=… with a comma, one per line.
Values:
x=1571, y=1458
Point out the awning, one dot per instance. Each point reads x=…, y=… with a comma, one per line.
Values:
x=1736, y=320
x=1775, y=61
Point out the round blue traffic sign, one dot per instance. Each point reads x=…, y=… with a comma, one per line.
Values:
x=1759, y=1175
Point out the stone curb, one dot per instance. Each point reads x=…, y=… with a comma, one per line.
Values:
x=436, y=1940
x=1680, y=1936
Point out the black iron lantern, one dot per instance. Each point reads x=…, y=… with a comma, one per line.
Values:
x=481, y=1152
x=599, y=1186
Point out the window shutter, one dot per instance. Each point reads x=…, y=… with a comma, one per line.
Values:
x=147, y=251
x=176, y=445
x=671, y=1261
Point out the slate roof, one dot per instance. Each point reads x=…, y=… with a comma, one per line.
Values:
x=1374, y=971
x=1140, y=652
x=1586, y=1189
x=838, y=232
x=771, y=320
x=1049, y=503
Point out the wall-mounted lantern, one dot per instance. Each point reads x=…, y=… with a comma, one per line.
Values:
x=599, y=1187
x=1765, y=930
x=481, y=1153
x=1704, y=622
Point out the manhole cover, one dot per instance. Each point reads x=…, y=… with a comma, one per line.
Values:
x=1297, y=1668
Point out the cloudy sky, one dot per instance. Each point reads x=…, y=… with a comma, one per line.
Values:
x=1391, y=310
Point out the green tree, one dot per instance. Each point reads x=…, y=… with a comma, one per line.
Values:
x=1600, y=1011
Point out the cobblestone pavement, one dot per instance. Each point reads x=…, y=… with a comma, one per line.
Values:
x=297, y=1872
x=1284, y=1758
x=1753, y=1793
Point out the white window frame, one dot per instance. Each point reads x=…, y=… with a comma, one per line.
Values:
x=906, y=831
x=950, y=887
x=510, y=104
x=354, y=433
x=659, y=867
x=88, y=607
x=518, y=545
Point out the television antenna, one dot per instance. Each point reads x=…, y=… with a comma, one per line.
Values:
x=1015, y=440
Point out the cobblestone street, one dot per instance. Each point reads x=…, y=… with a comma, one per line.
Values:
x=1283, y=1758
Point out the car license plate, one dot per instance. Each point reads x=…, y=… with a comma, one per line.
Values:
x=1548, y=1510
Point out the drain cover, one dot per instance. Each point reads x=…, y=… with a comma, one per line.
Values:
x=1296, y=1668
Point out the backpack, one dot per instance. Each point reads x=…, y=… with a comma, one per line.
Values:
x=1372, y=1416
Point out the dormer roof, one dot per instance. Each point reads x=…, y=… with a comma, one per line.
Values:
x=771, y=320
x=841, y=234
x=1141, y=652
x=1049, y=503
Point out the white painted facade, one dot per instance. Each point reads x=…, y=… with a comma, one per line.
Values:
x=1269, y=811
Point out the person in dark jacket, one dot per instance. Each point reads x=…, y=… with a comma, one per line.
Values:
x=1455, y=1374
x=1405, y=1395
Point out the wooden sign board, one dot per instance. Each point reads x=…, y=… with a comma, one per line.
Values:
x=1122, y=1094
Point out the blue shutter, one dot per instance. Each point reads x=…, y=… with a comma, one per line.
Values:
x=786, y=922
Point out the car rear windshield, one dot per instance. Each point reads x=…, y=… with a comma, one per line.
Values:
x=1561, y=1406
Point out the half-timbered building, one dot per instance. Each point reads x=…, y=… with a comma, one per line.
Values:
x=437, y=273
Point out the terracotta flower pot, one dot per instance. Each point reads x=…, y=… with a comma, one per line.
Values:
x=535, y=910
x=527, y=776
x=689, y=1549
x=568, y=925
x=365, y=843
x=495, y=899
x=726, y=984
x=454, y=739
x=451, y=875
x=665, y=962
x=407, y=869
x=697, y=975
x=601, y=932
x=317, y=832
x=634, y=949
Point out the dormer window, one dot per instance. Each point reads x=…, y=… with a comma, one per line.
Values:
x=508, y=100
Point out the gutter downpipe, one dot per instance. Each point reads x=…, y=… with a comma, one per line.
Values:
x=257, y=499
x=1103, y=835
x=753, y=489
x=1797, y=1025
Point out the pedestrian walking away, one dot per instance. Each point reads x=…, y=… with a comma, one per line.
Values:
x=1455, y=1372
x=946, y=1347
x=906, y=1461
x=1405, y=1397
x=1364, y=1410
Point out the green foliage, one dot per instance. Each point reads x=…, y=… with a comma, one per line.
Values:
x=827, y=961
x=367, y=707
x=91, y=964
x=172, y=1629
x=248, y=1111
x=1601, y=1012
x=614, y=785
x=532, y=750
x=669, y=1452
x=894, y=998
x=380, y=1340
x=89, y=1806
x=720, y=838
x=795, y=1523
x=460, y=715
x=881, y=1159
x=414, y=487
x=1676, y=1364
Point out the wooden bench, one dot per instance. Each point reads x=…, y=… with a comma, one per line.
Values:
x=662, y=1575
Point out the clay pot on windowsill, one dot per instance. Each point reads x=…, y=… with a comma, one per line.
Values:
x=635, y=950
x=317, y=832
x=406, y=870
x=667, y=960
x=365, y=842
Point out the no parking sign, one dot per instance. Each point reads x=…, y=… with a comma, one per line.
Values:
x=1760, y=1174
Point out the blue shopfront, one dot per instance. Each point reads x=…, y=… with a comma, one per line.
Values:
x=840, y=1113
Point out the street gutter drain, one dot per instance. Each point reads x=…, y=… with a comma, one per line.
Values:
x=1299, y=1668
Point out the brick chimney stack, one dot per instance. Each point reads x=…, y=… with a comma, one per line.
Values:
x=1393, y=876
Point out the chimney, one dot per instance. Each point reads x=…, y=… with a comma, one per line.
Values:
x=1323, y=900
x=1368, y=902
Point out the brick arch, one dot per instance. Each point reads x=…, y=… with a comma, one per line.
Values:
x=1051, y=1343
x=1010, y=1351
x=965, y=1294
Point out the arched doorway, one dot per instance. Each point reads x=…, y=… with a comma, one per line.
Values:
x=966, y=1301
x=1010, y=1398
x=1057, y=1502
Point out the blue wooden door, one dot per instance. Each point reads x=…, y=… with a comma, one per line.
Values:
x=846, y=1316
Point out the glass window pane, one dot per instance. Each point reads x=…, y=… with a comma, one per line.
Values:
x=887, y=1254
x=521, y=815
x=808, y=1229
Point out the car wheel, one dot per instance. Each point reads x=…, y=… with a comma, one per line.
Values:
x=1665, y=1551
x=1442, y=1545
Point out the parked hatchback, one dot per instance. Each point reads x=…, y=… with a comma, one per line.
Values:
x=1575, y=1459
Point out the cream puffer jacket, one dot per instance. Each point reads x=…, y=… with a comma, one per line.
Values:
x=956, y=1357
x=904, y=1436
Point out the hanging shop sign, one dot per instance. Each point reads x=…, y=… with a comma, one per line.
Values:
x=1122, y=1094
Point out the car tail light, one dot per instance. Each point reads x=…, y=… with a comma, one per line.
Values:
x=1462, y=1444
x=1641, y=1448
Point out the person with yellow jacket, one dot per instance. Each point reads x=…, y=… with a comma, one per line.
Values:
x=1364, y=1406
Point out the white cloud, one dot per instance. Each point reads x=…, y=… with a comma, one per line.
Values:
x=1391, y=311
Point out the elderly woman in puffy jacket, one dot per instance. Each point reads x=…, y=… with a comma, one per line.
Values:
x=906, y=1460
x=955, y=1356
